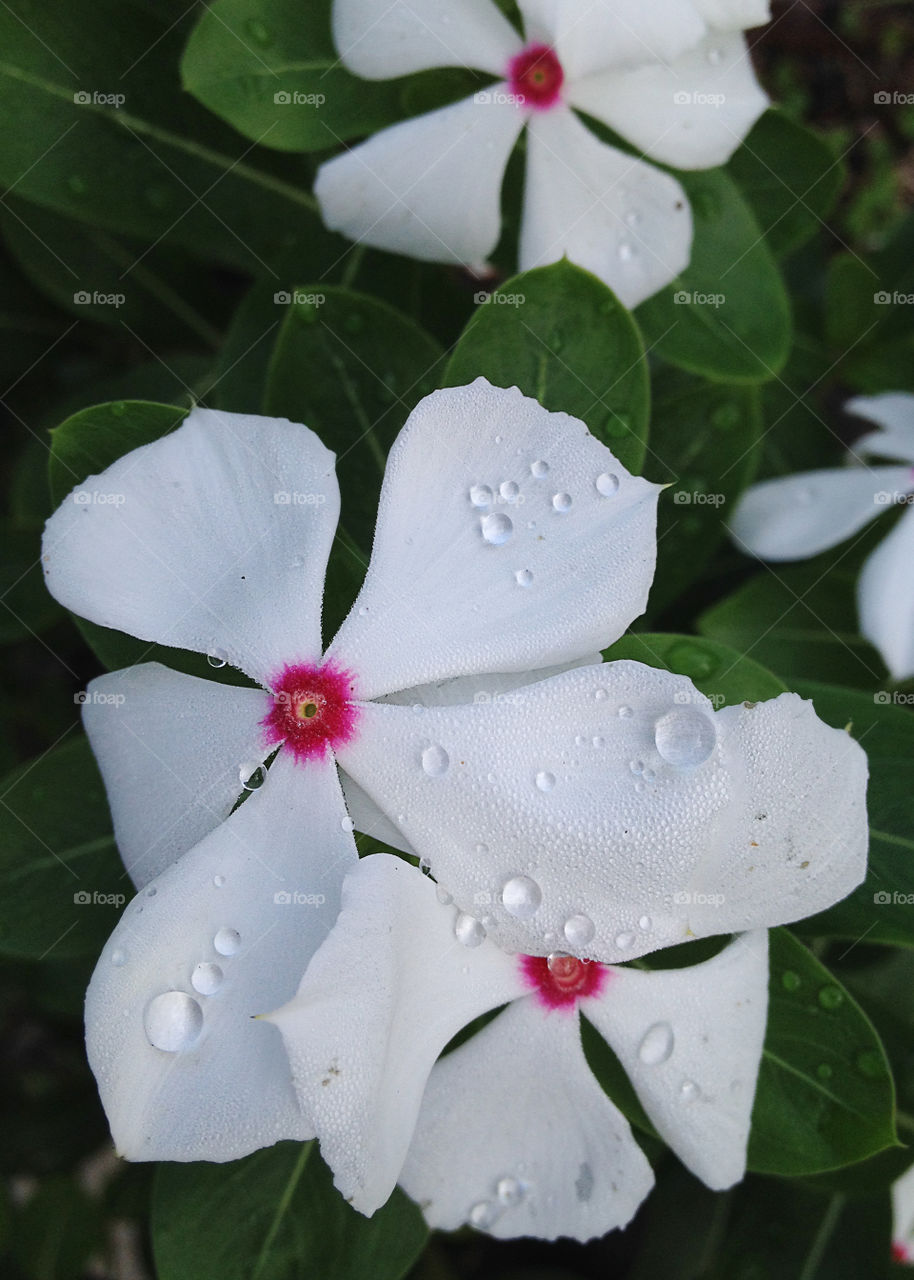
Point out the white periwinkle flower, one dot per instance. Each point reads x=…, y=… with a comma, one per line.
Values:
x=673, y=79
x=793, y=517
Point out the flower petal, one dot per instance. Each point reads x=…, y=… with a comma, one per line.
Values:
x=464, y=579
x=894, y=413
x=616, y=794
x=429, y=187
x=395, y=39
x=690, y=1041
x=214, y=538
x=885, y=598
x=380, y=1000
x=516, y=1137
x=171, y=750
x=792, y=517
x=209, y=945
x=692, y=114
x=615, y=33
x=622, y=219
x=734, y=15
x=485, y=687
x=368, y=818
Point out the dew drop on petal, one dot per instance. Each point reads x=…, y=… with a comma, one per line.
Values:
x=562, y=501
x=251, y=775
x=624, y=941
x=689, y=1091
x=435, y=761
x=523, y=577
x=347, y=824
x=468, y=930
x=636, y=766
x=443, y=896
x=510, y=1191
x=227, y=942
x=625, y=252
x=545, y=781
x=599, y=741
x=625, y=713
x=509, y=490
x=539, y=468
x=206, y=978
x=425, y=865
x=497, y=528
x=217, y=658
x=685, y=737
x=218, y=881
x=578, y=931
x=521, y=897
x=600, y=695
x=172, y=1021
x=657, y=1044
x=644, y=924
x=483, y=1214
x=607, y=484
x=481, y=495
x=118, y=957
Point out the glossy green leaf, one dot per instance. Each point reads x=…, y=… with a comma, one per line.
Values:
x=722, y=674
x=561, y=336
x=272, y=1216
x=26, y=609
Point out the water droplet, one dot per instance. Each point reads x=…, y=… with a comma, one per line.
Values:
x=172, y=1021
x=498, y=439
x=633, y=218
x=539, y=469
x=509, y=490
x=227, y=941
x=644, y=924
x=545, y=781
x=523, y=577
x=363, y=610
x=657, y=1044
x=425, y=865
x=151, y=893
x=726, y=415
x=218, y=881
x=468, y=930
x=689, y=659
x=625, y=713
x=481, y=495
x=600, y=695
x=435, y=761
x=625, y=251
x=714, y=56
x=206, y=978
x=599, y=741
x=831, y=997
x=522, y=897
x=118, y=408
x=790, y=981
x=869, y=1063
x=482, y=849
x=685, y=737
x=562, y=501
x=77, y=185
x=824, y=1071
x=258, y=31
x=625, y=940
x=510, y=1191
x=497, y=528
x=251, y=775
x=607, y=484
x=689, y=1091
x=578, y=931
x=443, y=896
x=217, y=658
x=483, y=1214
x=347, y=824
x=636, y=766
x=118, y=957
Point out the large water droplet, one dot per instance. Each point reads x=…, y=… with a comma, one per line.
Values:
x=562, y=501
x=218, y=881
x=347, y=824
x=497, y=528
x=685, y=737
x=690, y=659
x=227, y=941
x=510, y=1191
x=483, y=1214
x=509, y=490
x=831, y=997
x=657, y=1044
x=435, y=761
x=545, y=781
x=206, y=978
x=607, y=484
x=172, y=1021
x=251, y=775
x=481, y=495
x=790, y=981
x=578, y=931
x=217, y=658
x=539, y=469
x=522, y=897
x=468, y=930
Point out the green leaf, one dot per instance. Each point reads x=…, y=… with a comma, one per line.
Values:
x=825, y=1095
x=26, y=609
x=561, y=336
x=790, y=177
x=882, y=908
x=272, y=1216
x=59, y=1227
x=722, y=674
x=728, y=314
x=705, y=442
x=62, y=886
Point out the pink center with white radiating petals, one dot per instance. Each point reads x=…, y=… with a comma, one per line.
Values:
x=560, y=981
x=536, y=77
x=313, y=709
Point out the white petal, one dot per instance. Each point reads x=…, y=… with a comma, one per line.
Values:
x=622, y=219
x=489, y=687
x=690, y=1041
x=171, y=750
x=380, y=1000
x=894, y=413
x=213, y=538
x=222, y=1088
x=903, y=1215
x=395, y=39
x=429, y=187
x=369, y=818
x=734, y=15
x=638, y=820
x=885, y=598
x=692, y=114
x=516, y=582
x=516, y=1137
x=792, y=517
x=602, y=33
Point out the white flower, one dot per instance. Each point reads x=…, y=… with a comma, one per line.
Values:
x=674, y=79
x=511, y=1132
x=793, y=517
x=903, y=1218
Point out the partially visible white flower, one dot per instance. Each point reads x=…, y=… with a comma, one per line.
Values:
x=511, y=1132
x=673, y=78
x=903, y=1218
x=794, y=517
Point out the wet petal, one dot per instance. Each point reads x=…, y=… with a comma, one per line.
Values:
x=885, y=598
x=612, y=33
x=395, y=39
x=894, y=413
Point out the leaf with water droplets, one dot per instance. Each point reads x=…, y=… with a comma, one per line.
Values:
x=722, y=674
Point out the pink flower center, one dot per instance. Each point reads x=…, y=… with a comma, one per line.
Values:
x=560, y=981
x=313, y=709
x=900, y=1252
x=536, y=76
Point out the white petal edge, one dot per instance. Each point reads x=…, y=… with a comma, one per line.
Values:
x=271, y=874
x=517, y=1110
x=214, y=538
x=885, y=598
x=793, y=517
x=369, y=818
x=171, y=749
x=903, y=1216
x=430, y=187
x=379, y=1001
x=398, y=38
x=555, y=570
x=734, y=15
x=692, y=114
x=602, y=33
x=690, y=1041
x=893, y=412
x=627, y=222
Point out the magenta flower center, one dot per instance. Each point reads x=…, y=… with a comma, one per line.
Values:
x=313, y=709
x=560, y=981
x=536, y=76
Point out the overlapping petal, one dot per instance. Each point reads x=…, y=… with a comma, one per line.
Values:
x=730, y=15
x=624, y=220
x=612, y=33
x=214, y=538
x=893, y=411
x=516, y=1137
x=429, y=187
x=185, y=1068
x=508, y=538
x=402, y=36
x=616, y=793
x=885, y=598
